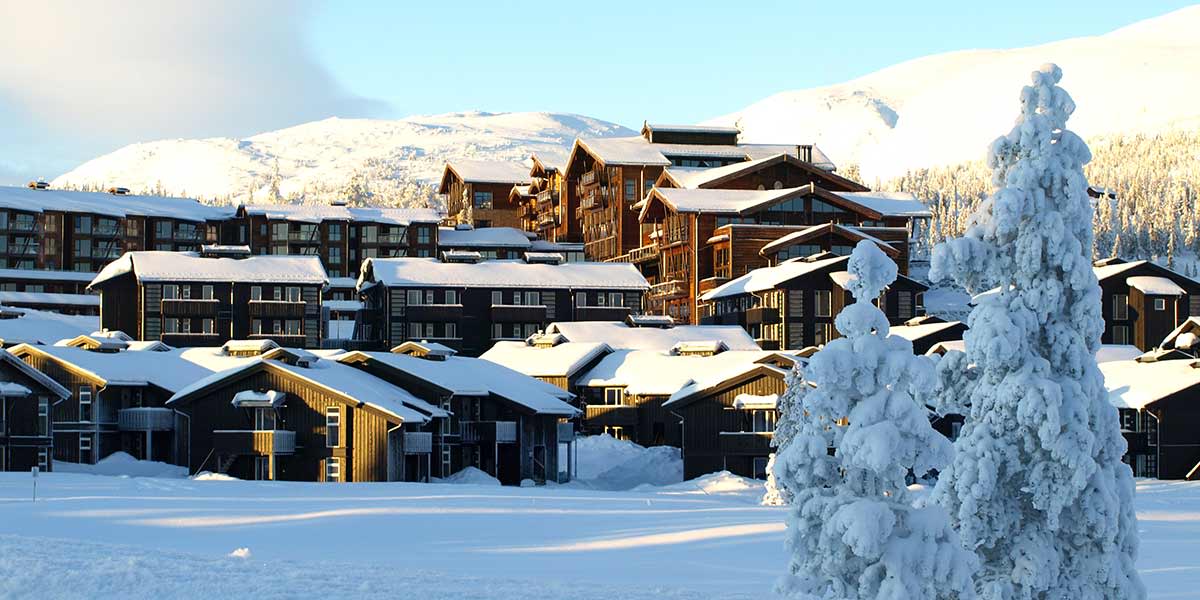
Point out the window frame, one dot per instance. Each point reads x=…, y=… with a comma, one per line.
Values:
x=333, y=426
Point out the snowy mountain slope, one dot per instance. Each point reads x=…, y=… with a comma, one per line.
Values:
x=321, y=159
x=947, y=108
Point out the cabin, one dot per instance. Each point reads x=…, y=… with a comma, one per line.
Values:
x=728, y=416
x=794, y=304
x=511, y=426
x=927, y=331
x=477, y=193
x=1159, y=407
x=292, y=415
x=1143, y=302
x=27, y=397
x=207, y=298
x=470, y=304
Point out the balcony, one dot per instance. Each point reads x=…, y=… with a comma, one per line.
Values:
x=745, y=443
x=762, y=315
x=645, y=253
x=276, y=309
x=488, y=432
x=601, y=313
x=668, y=289
x=546, y=196
x=591, y=200
x=146, y=419
x=106, y=232
x=434, y=312
x=566, y=432
x=588, y=178
x=723, y=319
x=189, y=307
x=513, y=313
x=418, y=442
x=609, y=415
x=766, y=344
x=254, y=442
x=547, y=220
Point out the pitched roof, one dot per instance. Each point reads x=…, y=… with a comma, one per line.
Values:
x=916, y=332
x=1133, y=384
x=1110, y=270
x=25, y=368
x=657, y=373
x=488, y=171
x=618, y=335
x=430, y=272
x=713, y=177
x=718, y=201
x=190, y=266
x=1155, y=286
x=483, y=237
x=317, y=213
x=768, y=278
x=111, y=205
x=42, y=327
x=636, y=150
x=560, y=360
x=889, y=204
x=810, y=232
x=81, y=276
x=49, y=299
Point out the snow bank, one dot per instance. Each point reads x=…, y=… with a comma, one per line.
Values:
x=606, y=463
x=471, y=475
x=210, y=476
x=123, y=465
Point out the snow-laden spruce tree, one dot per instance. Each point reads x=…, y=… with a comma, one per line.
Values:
x=789, y=413
x=1037, y=488
x=853, y=532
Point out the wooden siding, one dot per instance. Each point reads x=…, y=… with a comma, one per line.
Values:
x=706, y=417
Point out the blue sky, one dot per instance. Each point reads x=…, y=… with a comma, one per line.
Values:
x=111, y=73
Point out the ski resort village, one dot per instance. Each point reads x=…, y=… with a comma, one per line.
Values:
x=931, y=333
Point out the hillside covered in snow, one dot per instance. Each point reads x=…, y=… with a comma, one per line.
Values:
x=946, y=108
x=377, y=161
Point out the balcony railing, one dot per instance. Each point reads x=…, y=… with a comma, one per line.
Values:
x=588, y=178
x=545, y=196
x=418, y=442
x=745, y=443
x=763, y=315
x=547, y=220
x=498, y=432
x=643, y=253
x=590, y=200
x=259, y=442
x=668, y=289
x=146, y=419
x=609, y=415
x=276, y=308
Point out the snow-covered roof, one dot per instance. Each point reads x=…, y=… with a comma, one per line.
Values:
x=488, y=171
x=1184, y=336
x=247, y=398
x=80, y=276
x=747, y=401
x=768, y=278
x=110, y=205
x=343, y=282
x=316, y=213
x=916, y=332
x=853, y=233
x=149, y=266
x=23, y=367
x=1105, y=271
x=1111, y=352
x=1133, y=384
x=483, y=237
x=560, y=360
x=474, y=377
x=690, y=128
x=424, y=347
x=49, y=299
x=430, y=272
x=703, y=200
x=947, y=346
x=694, y=178
x=889, y=204
x=1155, y=286
x=10, y=389
x=548, y=246
x=636, y=150
x=841, y=278
x=258, y=346
x=618, y=335
x=101, y=343
x=42, y=327
x=657, y=373
x=167, y=370
x=343, y=305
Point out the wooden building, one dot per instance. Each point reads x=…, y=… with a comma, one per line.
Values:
x=728, y=418
x=793, y=305
x=478, y=192
x=549, y=210
x=1143, y=302
x=1159, y=407
x=510, y=426
x=468, y=304
x=925, y=332
x=27, y=397
x=210, y=297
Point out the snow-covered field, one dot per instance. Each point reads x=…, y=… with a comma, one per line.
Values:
x=103, y=536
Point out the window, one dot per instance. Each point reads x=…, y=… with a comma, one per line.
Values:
x=256, y=326
x=415, y=330
x=83, y=248
x=414, y=297
x=762, y=421
x=614, y=396
x=370, y=233
x=822, y=333
x=333, y=426
x=186, y=290
x=43, y=460
x=429, y=330
x=85, y=449
x=580, y=299
x=451, y=297
x=276, y=327
x=497, y=298
x=1120, y=307
x=630, y=189
x=208, y=326
x=256, y=292
x=516, y=298
x=170, y=292
x=277, y=293
x=187, y=325
x=1120, y=334
x=1160, y=304
x=83, y=224
x=162, y=230
x=335, y=232
x=264, y=418
x=423, y=235
x=548, y=300
x=615, y=299
x=335, y=256
x=532, y=299
x=647, y=186
x=428, y=296
x=529, y=329
x=293, y=294
x=171, y=325
x=483, y=200
x=497, y=331
x=600, y=299
x=904, y=305
x=333, y=469
x=452, y=330
x=43, y=417
x=262, y=468
x=824, y=301
x=206, y=292
x=516, y=331
x=279, y=232
x=292, y=327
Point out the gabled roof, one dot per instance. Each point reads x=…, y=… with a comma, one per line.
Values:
x=710, y=383
x=716, y=201
x=41, y=327
x=619, y=335
x=1109, y=270
x=26, y=369
x=110, y=205
x=484, y=171
x=657, y=373
x=1133, y=384
x=1155, y=286
x=474, y=377
x=889, y=204
x=1183, y=337
x=648, y=126
x=151, y=266
x=430, y=272
x=808, y=233
x=560, y=360
x=913, y=333
x=636, y=150
x=768, y=278
x=717, y=176
x=483, y=237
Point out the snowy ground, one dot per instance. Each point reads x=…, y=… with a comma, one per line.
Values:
x=103, y=536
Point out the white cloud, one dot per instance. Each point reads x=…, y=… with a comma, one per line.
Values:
x=79, y=78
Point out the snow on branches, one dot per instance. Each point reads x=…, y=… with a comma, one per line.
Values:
x=1037, y=487
x=853, y=531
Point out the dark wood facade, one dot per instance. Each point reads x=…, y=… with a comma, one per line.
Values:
x=1132, y=316
x=480, y=202
x=27, y=398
